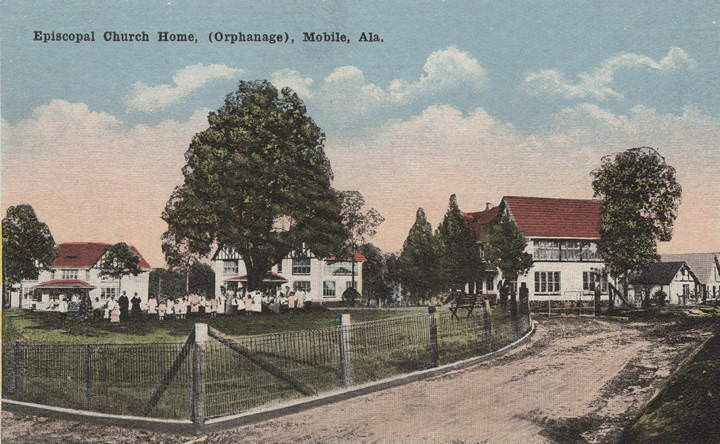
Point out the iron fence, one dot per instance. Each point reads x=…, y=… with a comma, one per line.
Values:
x=216, y=375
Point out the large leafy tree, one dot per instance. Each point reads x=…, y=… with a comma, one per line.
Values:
x=119, y=261
x=505, y=249
x=640, y=198
x=257, y=181
x=419, y=270
x=27, y=247
x=361, y=223
x=459, y=257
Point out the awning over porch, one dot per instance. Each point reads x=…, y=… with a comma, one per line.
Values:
x=269, y=277
x=64, y=283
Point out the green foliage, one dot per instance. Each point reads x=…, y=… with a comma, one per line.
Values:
x=376, y=275
x=350, y=295
x=459, y=258
x=505, y=249
x=85, y=310
x=119, y=261
x=418, y=264
x=640, y=196
x=688, y=407
x=202, y=279
x=27, y=245
x=360, y=223
x=257, y=181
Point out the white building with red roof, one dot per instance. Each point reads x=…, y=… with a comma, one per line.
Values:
x=562, y=237
x=74, y=271
x=323, y=279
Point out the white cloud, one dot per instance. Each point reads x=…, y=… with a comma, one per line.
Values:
x=148, y=98
x=294, y=80
x=93, y=178
x=596, y=84
x=422, y=160
x=346, y=91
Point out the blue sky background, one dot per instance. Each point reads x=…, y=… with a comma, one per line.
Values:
x=519, y=63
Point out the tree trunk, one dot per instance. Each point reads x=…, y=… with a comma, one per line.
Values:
x=187, y=280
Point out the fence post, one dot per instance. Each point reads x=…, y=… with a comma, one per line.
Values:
x=197, y=391
x=86, y=387
x=432, y=337
x=346, y=365
x=19, y=367
x=487, y=325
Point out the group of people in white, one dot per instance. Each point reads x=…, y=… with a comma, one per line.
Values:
x=228, y=302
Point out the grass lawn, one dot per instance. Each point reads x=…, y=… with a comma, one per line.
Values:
x=52, y=327
x=688, y=408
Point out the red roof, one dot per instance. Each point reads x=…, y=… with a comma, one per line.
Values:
x=570, y=218
x=476, y=221
x=359, y=257
x=87, y=254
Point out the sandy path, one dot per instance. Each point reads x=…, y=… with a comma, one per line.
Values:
x=576, y=379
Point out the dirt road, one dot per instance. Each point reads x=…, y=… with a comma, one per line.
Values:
x=576, y=380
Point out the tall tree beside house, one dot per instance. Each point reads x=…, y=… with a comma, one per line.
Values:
x=640, y=198
x=505, y=249
x=28, y=247
x=257, y=181
x=361, y=224
x=419, y=268
x=119, y=261
x=459, y=257
x=178, y=255
x=376, y=280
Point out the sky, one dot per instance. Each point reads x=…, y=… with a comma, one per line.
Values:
x=480, y=99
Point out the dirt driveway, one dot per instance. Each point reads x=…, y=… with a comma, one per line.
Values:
x=577, y=380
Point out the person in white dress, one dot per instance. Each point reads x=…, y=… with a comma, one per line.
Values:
x=170, y=308
x=152, y=305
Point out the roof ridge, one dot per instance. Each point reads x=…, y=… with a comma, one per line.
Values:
x=553, y=198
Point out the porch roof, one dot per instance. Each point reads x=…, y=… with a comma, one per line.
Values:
x=65, y=283
x=269, y=277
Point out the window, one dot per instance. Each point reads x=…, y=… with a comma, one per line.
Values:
x=302, y=286
x=329, y=289
x=547, y=282
x=352, y=284
x=230, y=267
x=546, y=250
x=28, y=293
x=592, y=278
x=301, y=265
x=279, y=267
x=108, y=292
x=68, y=274
x=589, y=252
x=570, y=250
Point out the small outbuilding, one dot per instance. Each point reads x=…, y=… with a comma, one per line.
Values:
x=675, y=279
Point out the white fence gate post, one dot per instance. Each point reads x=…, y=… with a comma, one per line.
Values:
x=346, y=365
x=198, y=371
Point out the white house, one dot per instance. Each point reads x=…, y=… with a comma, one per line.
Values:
x=676, y=279
x=705, y=266
x=562, y=237
x=323, y=279
x=75, y=271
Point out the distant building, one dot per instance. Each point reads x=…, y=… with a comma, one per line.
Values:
x=676, y=279
x=75, y=271
x=324, y=279
x=562, y=237
x=706, y=266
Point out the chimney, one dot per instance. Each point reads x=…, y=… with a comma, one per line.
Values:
x=487, y=206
